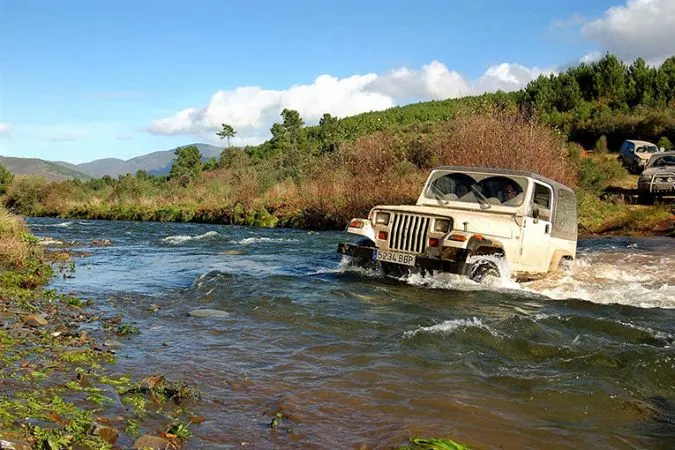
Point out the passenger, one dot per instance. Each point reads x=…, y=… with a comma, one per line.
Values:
x=461, y=190
x=509, y=191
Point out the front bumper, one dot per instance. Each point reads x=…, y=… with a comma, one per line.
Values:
x=422, y=262
x=657, y=186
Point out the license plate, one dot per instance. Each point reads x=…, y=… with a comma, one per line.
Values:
x=395, y=257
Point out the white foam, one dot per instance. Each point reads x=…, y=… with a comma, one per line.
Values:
x=450, y=326
x=641, y=280
x=49, y=241
x=61, y=224
x=604, y=276
x=180, y=239
x=257, y=239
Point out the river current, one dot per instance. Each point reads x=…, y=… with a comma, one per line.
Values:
x=353, y=359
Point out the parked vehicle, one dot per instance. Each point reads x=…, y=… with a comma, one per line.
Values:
x=634, y=154
x=472, y=221
x=659, y=175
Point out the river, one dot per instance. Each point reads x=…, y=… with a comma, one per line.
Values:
x=353, y=359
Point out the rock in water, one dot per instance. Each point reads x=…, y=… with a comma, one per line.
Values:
x=208, y=313
x=152, y=442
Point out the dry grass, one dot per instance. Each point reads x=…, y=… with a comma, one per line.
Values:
x=14, y=250
x=508, y=141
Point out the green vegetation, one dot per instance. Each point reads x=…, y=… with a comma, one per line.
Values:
x=433, y=444
x=321, y=176
x=6, y=178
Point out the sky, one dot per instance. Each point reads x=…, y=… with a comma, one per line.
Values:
x=83, y=80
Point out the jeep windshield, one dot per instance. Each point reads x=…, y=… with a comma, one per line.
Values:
x=664, y=161
x=483, y=189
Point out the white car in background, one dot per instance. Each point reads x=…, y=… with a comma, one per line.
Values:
x=635, y=154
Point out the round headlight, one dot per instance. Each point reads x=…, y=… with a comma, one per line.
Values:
x=382, y=218
x=441, y=225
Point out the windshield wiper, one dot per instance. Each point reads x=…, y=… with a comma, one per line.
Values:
x=438, y=194
x=484, y=203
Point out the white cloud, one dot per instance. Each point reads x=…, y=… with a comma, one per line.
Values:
x=5, y=129
x=591, y=57
x=507, y=77
x=433, y=82
x=640, y=28
x=251, y=110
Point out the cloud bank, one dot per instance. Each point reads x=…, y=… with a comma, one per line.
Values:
x=251, y=110
x=640, y=28
x=5, y=129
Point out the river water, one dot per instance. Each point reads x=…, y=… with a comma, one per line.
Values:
x=353, y=359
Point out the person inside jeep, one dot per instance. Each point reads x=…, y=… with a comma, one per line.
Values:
x=461, y=190
x=509, y=192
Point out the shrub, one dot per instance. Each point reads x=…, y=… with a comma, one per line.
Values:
x=6, y=178
x=25, y=194
x=596, y=175
x=601, y=145
x=665, y=143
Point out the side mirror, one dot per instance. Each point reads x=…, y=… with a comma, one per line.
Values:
x=535, y=212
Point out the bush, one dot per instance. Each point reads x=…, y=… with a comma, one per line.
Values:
x=596, y=175
x=25, y=195
x=665, y=143
x=601, y=145
x=6, y=178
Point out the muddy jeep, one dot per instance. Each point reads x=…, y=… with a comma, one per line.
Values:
x=472, y=221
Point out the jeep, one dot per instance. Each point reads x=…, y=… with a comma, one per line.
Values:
x=634, y=155
x=472, y=221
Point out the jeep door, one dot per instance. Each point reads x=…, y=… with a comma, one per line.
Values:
x=536, y=243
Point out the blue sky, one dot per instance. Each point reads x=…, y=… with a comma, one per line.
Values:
x=82, y=80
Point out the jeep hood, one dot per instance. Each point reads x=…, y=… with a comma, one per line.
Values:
x=667, y=171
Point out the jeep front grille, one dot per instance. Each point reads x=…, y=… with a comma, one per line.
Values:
x=409, y=233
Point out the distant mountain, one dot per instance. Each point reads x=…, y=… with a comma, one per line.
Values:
x=47, y=169
x=155, y=163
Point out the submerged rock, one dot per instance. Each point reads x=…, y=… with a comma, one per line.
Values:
x=152, y=442
x=233, y=252
x=208, y=313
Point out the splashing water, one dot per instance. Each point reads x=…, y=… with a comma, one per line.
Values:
x=625, y=275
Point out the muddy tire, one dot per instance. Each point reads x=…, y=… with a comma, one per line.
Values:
x=365, y=242
x=565, y=265
x=481, y=271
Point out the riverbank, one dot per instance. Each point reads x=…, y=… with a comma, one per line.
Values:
x=58, y=386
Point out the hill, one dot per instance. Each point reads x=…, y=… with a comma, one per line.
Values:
x=155, y=163
x=49, y=170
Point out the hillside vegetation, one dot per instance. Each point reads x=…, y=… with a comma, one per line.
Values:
x=321, y=176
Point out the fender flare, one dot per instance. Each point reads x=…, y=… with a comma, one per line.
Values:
x=558, y=256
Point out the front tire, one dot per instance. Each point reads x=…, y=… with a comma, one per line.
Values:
x=484, y=270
